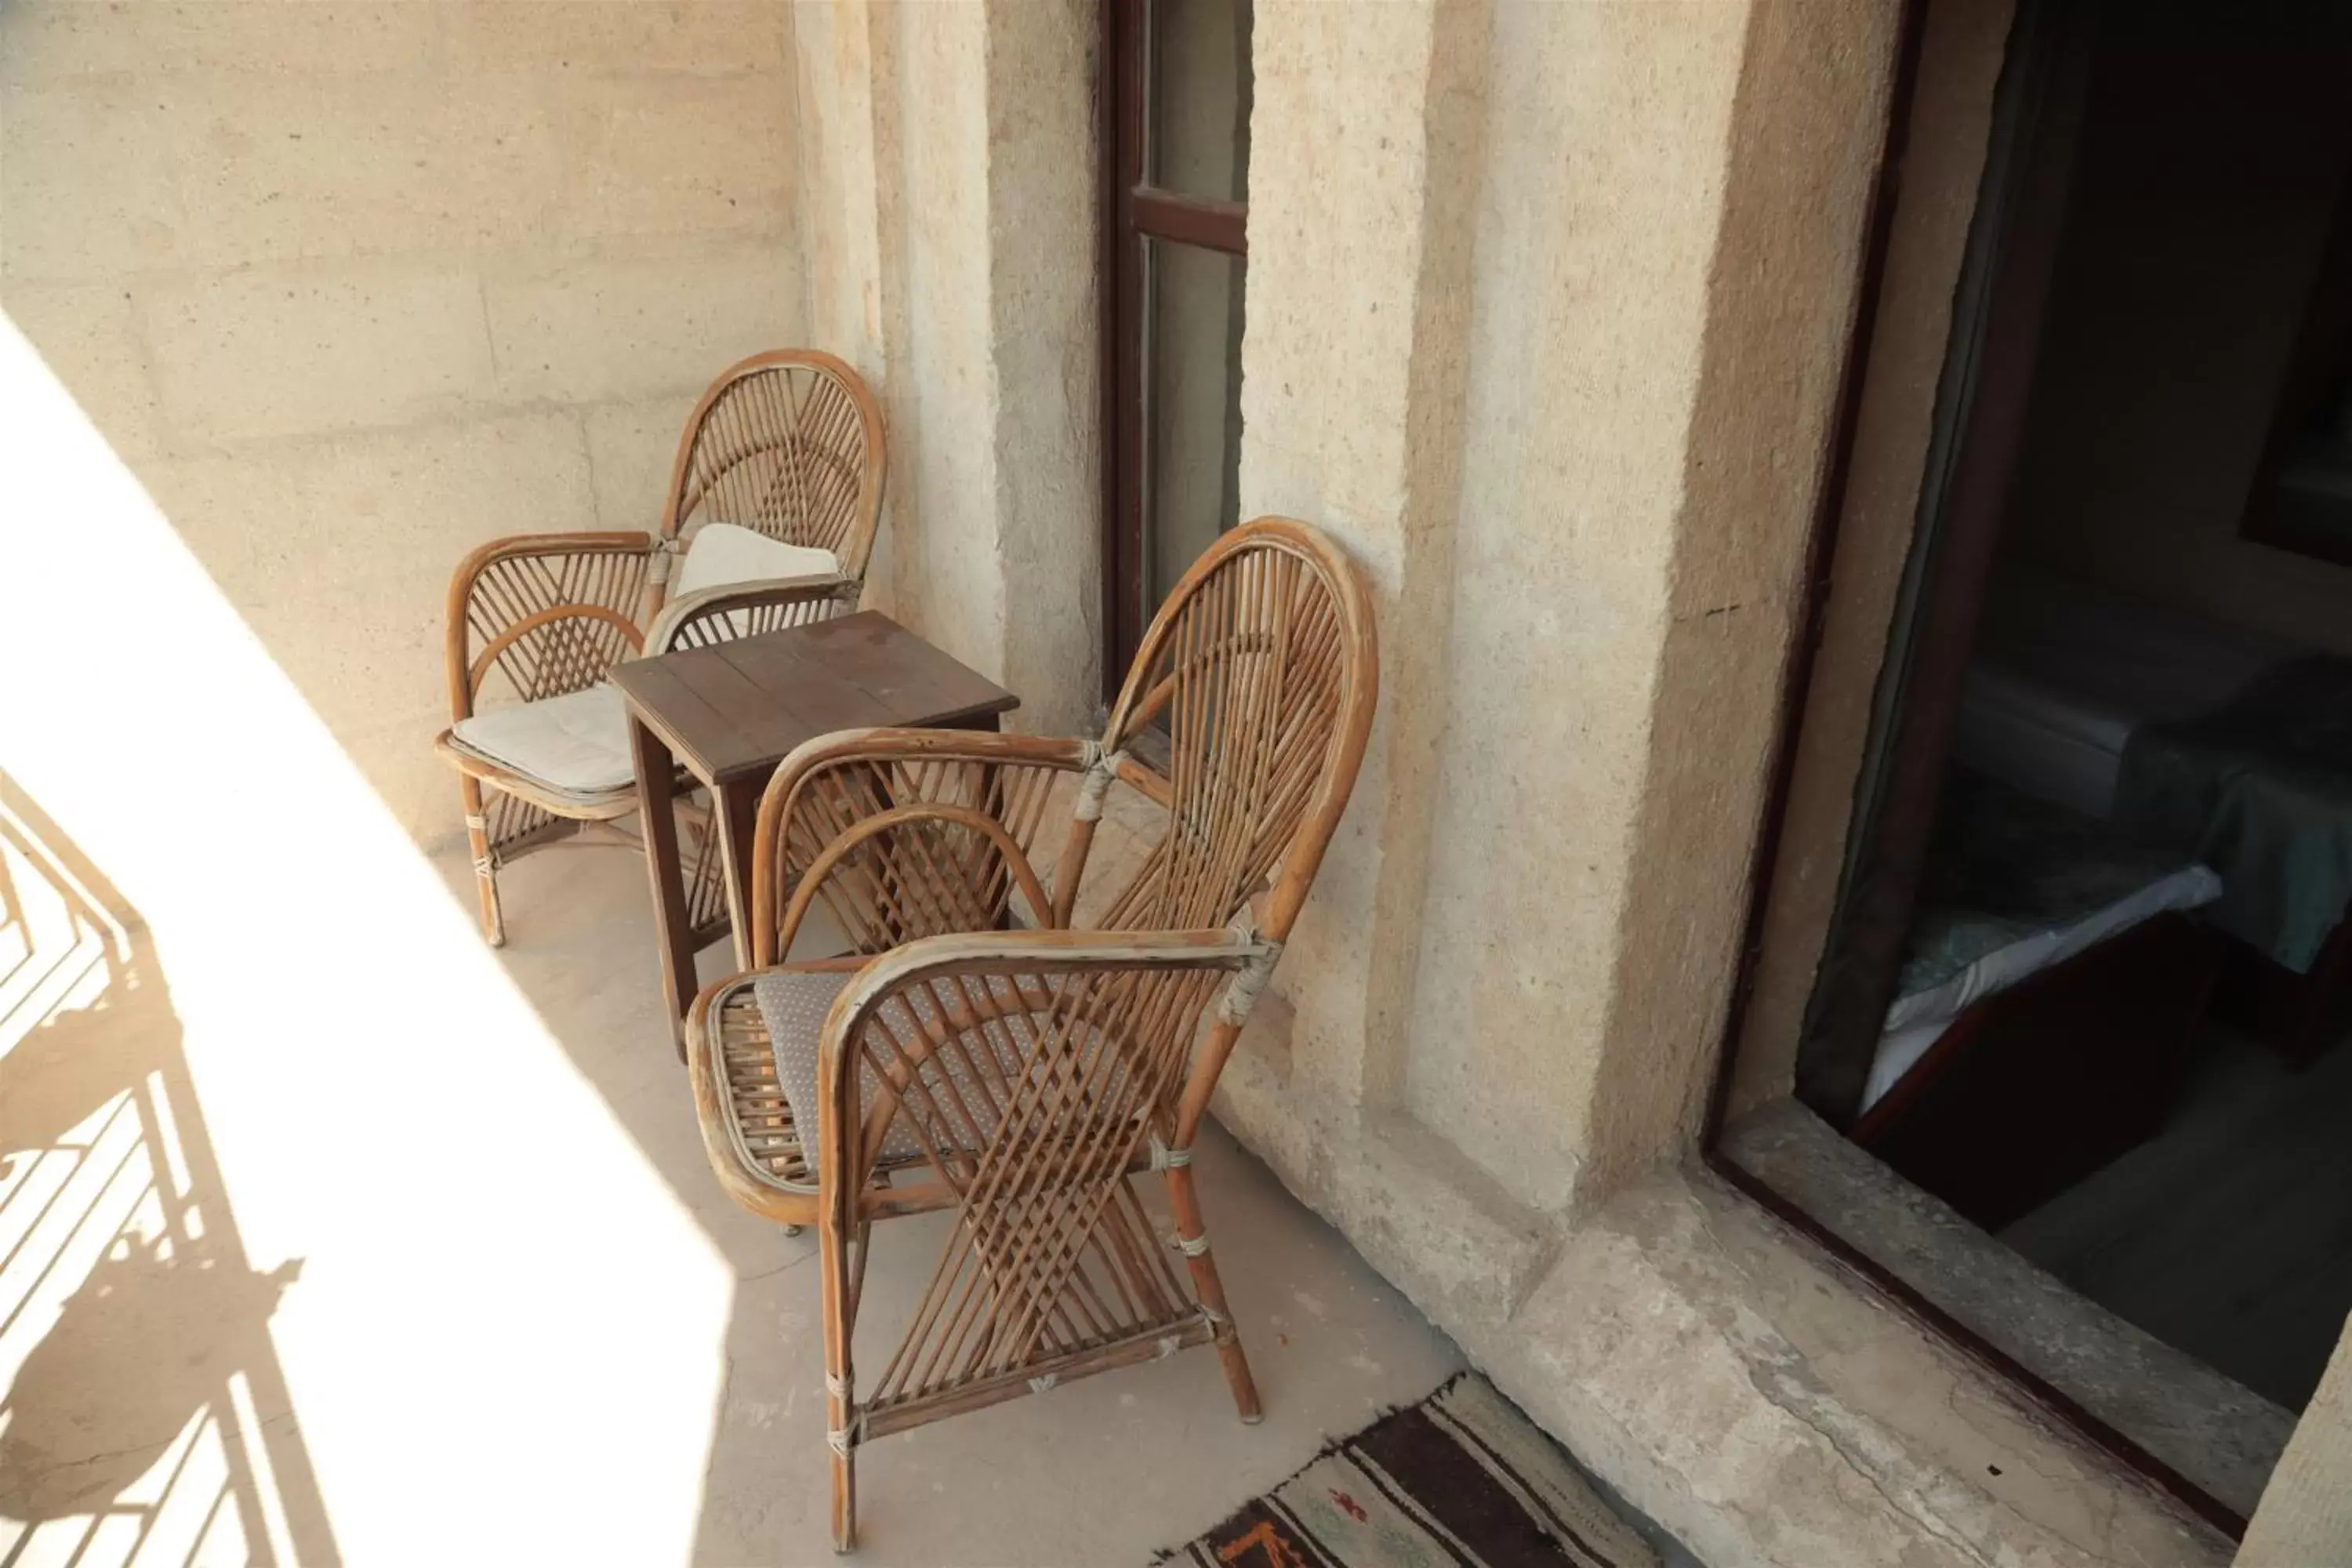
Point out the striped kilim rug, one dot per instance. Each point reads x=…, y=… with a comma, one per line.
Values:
x=1460, y=1480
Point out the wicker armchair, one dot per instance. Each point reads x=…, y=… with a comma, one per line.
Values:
x=772, y=510
x=1025, y=1080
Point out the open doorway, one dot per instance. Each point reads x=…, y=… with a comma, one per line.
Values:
x=2088, y=975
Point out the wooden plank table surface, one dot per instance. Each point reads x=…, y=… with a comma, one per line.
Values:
x=731, y=712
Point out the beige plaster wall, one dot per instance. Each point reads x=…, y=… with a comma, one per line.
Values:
x=2305, y=1517
x=1044, y=507
x=940, y=379
x=948, y=167
x=1593, y=254
x=1351, y=388
x=354, y=285
x=1567, y=405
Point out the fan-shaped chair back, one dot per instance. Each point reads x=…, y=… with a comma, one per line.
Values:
x=1262, y=666
x=780, y=445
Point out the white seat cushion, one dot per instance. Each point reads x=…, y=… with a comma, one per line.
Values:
x=721, y=553
x=576, y=744
x=794, y=1007
x=720, y=557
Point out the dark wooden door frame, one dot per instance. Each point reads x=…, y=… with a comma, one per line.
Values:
x=1134, y=212
x=1980, y=424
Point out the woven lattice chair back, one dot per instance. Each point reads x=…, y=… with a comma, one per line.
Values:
x=902, y=848
x=780, y=445
x=542, y=628
x=1260, y=669
x=1028, y=1093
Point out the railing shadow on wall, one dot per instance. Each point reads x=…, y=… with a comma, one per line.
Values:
x=146, y=1419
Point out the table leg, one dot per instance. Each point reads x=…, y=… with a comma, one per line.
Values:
x=987, y=724
x=657, y=819
x=735, y=817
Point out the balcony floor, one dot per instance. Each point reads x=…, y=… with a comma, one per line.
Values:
x=446, y=1289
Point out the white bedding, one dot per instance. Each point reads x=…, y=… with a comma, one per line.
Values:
x=1916, y=1022
x=2064, y=671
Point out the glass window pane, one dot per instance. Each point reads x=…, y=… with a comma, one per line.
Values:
x=1192, y=407
x=1196, y=134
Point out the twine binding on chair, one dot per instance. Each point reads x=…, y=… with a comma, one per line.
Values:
x=841, y=1439
x=1190, y=1247
x=1168, y=1345
x=1042, y=1384
x=1102, y=766
x=665, y=551
x=1164, y=1158
x=1251, y=977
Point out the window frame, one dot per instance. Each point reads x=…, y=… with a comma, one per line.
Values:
x=1133, y=213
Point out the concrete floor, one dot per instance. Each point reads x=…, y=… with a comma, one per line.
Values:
x=2229, y=1234
x=339, y=1254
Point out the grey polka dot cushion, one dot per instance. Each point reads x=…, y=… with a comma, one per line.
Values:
x=794, y=1007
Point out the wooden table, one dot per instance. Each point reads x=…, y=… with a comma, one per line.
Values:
x=729, y=713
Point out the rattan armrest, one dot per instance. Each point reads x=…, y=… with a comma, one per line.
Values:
x=749, y=1133
x=890, y=744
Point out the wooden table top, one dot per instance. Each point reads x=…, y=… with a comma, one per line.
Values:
x=737, y=707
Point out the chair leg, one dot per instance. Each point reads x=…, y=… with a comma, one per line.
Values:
x=1192, y=1237
x=486, y=875
x=840, y=1425
x=844, y=1502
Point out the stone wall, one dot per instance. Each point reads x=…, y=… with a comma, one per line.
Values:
x=2307, y=1514
x=355, y=285
x=950, y=175
x=1547, y=309
x=1570, y=411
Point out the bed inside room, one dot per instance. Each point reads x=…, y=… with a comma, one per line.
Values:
x=2107, y=998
